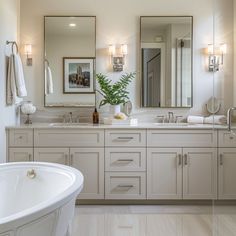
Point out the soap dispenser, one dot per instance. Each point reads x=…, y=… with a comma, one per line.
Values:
x=95, y=116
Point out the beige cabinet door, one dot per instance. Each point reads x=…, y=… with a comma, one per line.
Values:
x=54, y=155
x=227, y=173
x=20, y=154
x=164, y=173
x=199, y=173
x=90, y=161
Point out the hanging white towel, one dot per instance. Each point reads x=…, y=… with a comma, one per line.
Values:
x=12, y=97
x=48, y=80
x=19, y=76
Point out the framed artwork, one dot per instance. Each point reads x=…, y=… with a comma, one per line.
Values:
x=78, y=75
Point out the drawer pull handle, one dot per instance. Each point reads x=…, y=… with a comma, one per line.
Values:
x=20, y=137
x=30, y=157
x=125, y=160
x=125, y=138
x=221, y=159
x=125, y=186
x=180, y=159
x=231, y=137
x=186, y=159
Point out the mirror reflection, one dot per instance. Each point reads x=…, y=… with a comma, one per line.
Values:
x=166, y=61
x=70, y=50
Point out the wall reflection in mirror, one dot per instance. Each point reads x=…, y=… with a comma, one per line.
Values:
x=70, y=50
x=166, y=61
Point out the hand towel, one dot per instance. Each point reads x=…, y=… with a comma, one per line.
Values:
x=48, y=80
x=195, y=119
x=12, y=97
x=19, y=76
x=216, y=119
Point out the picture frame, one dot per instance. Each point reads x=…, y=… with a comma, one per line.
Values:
x=78, y=73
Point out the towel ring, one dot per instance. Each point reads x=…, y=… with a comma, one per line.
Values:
x=13, y=43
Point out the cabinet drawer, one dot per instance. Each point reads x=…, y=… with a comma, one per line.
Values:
x=122, y=185
x=20, y=154
x=181, y=138
x=68, y=138
x=226, y=139
x=125, y=159
x=20, y=137
x=125, y=138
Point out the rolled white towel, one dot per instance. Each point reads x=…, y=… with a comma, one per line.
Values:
x=216, y=119
x=195, y=119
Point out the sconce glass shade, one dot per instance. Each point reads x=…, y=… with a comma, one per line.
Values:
x=28, y=49
x=223, y=48
x=124, y=49
x=112, y=50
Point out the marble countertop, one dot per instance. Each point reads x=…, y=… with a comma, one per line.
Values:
x=118, y=126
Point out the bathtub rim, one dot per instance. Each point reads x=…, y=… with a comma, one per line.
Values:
x=45, y=207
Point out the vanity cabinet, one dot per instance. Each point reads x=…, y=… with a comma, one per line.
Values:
x=20, y=154
x=227, y=173
x=55, y=155
x=181, y=164
x=20, y=145
x=226, y=165
x=125, y=164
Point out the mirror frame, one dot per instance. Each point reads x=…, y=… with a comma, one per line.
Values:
x=140, y=63
x=94, y=65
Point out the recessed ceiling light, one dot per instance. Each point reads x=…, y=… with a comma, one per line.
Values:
x=72, y=24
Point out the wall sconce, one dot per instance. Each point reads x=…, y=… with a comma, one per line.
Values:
x=216, y=56
x=28, y=52
x=117, y=56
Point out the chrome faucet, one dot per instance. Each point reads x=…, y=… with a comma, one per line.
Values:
x=170, y=118
x=229, y=117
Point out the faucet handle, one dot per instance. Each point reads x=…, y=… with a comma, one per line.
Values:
x=177, y=118
x=161, y=118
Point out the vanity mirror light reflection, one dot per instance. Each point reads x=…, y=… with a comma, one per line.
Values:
x=70, y=52
x=166, y=61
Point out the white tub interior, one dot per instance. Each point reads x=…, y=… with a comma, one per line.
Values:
x=22, y=193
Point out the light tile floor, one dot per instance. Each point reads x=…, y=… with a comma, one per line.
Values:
x=154, y=221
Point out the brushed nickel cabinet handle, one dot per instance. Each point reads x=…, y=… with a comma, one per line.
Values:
x=231, y=137
x=221, y=159
x=125, y=186
x=125, y=138
x=67, y=159
x=186, y=159
x=30, y=156
x=180, y=159
x=125, y=160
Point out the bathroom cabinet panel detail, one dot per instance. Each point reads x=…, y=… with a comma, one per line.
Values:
x=125, y=159
x=20, y=137
x=68, y=138
x=125, y=138
x=226, y=139
x=125, y=185
x=55, y=155
x=20, y=154
x=164, y=173
x=181, y=138
x=199, y=173
x=227, y=173
x=90, y=161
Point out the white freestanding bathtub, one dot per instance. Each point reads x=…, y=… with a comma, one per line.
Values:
x=37, y=199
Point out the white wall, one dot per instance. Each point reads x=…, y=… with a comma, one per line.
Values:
x=8, y=31
x=118, y=22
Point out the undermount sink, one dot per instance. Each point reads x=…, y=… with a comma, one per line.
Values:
x=171, y=124
x=68, y=124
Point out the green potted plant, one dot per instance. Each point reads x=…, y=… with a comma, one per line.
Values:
x=116, y=93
